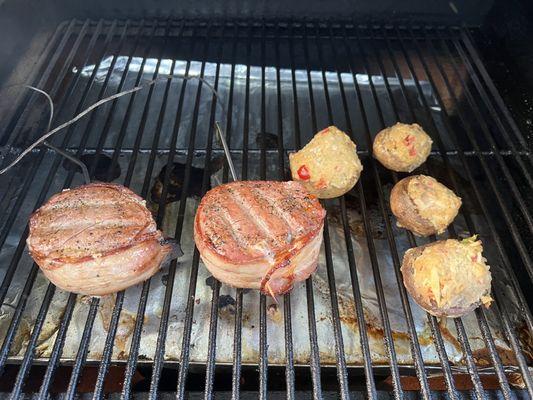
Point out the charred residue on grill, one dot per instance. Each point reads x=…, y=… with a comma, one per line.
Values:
x=225, y=300
x=177, y=179
x=267, y=140
x=104, y=171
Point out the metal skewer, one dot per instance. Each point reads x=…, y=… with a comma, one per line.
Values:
x=226, y=152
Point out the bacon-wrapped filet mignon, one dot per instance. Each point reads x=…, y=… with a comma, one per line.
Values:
x=260, y=234
x=96, y=239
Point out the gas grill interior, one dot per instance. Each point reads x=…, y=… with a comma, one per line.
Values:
x=270, y=84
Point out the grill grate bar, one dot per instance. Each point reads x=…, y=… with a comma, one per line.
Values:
x=9, y=275
x=83, y=349
x=58, y=346
x=263, y=339
x=115, y=318
x=213, y=320
x=210, y=367
x=511, y=225
x=287, y=322
x=474, y=375
x=310, y=44
x=32, y=344
x=342, y=374
x=18, y=122
x=488, y=339
x=237, y=347
x=495, y=358
x=237, y=338
x=14, y=325
x=237, y=343
x=139, y=320
x=313, y=337
x=468, y=40
x=163, y=326
x=477, y=109
x=187, y=328
x=490, y=344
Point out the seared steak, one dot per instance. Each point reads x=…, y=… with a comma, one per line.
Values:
x=96, y=239
x=259, y=234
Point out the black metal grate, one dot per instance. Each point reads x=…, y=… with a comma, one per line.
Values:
x=360, y=78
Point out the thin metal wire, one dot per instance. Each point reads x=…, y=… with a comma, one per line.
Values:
x=226, y=152
x=36, y=77
x=17, y=124
x=16, y=319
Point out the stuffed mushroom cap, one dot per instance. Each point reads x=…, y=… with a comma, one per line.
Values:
x=402, y=147
x=328, y=166
x=448, y=278
x=423, y=205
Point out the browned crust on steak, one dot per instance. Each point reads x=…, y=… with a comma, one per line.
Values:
x=305, y=208
x=96, y=239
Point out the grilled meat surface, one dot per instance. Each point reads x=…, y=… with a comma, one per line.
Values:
x=259, y=234
x=96, y=239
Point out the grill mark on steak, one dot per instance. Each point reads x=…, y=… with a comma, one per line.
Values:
x=273, y=234
x=245, y=229
x=87, y=217
x=283, y=201
x=90, y=219
x=221, y=237
x=264, y=218
x=281, y=211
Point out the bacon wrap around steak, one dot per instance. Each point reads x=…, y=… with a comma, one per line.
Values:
x=96, y=239
x=259, y=234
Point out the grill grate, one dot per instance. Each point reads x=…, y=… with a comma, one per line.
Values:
x=360, y=78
